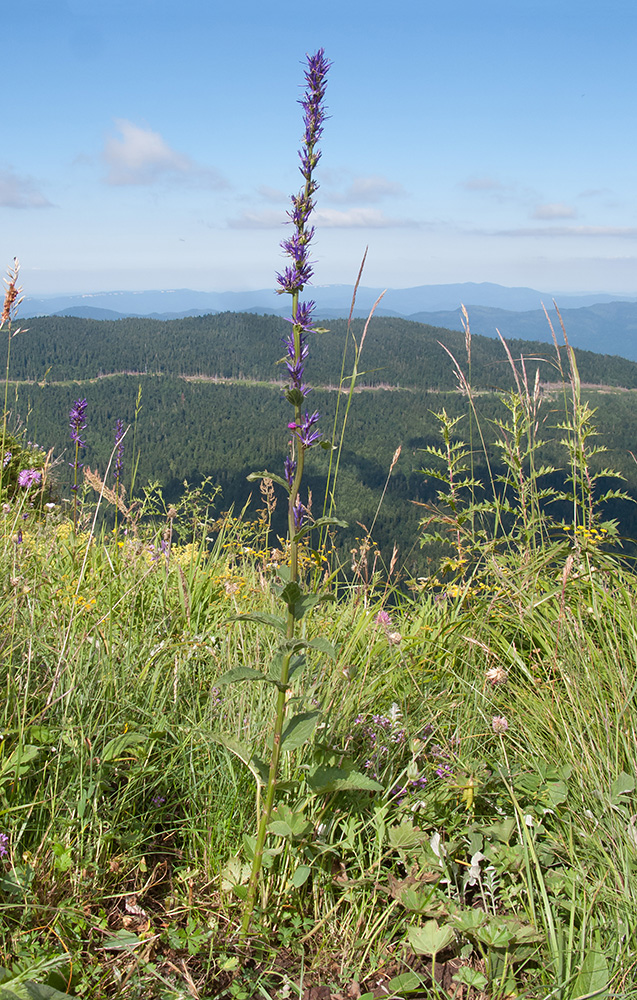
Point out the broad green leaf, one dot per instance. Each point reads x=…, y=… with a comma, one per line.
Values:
x=122, y=941
x=262, y=618
x=39, y=991
x=336, y=779
x=240, y=674
x=18, y=761
x=495, y=934
x=469, y=920
x=404, y=983
x=299, y=729
x=301, y=876
x=323, y=645
x=592, y=978
x=430, y=938
x=123, y=745
x=291, y=593
x=288, y=823
x=258, y=767
x=467, y=976
x=624, y=784
x=254, y=476
x=405, y=836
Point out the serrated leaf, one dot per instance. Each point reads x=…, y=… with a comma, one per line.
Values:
x=430, y=938
x=405, y=836
x=592, y=978
x=323, y=645
x=298, y=730
x=336, y=779
x=240, y=674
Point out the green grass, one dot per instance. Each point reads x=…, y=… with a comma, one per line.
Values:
x=116, y=788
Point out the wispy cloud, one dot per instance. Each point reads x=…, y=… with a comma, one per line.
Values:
x=140, y=156
x=359, y=218
x=20, y=191
x=273, y=194
x=270, y=218
x=327, y=218
x=367, y=190
x=482, y=184
x=554, y=210
x=621, y=232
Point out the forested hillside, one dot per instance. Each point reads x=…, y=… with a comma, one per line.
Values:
x=188, y=426
x=242, y=345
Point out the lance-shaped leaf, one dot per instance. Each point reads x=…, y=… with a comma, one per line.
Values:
x=262, y=618
x=254, y=476
x=323, y=645
x=337, y=779
x=241, y=674
x=319, y=523
x=258, y=767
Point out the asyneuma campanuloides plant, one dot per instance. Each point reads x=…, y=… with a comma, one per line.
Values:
x=287, y=733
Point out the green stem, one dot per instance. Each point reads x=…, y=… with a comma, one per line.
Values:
x=279, y=718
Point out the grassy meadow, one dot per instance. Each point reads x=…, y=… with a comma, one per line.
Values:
x=235, y=764
x=455, y=811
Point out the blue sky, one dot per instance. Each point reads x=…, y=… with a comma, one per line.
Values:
x=152, y=144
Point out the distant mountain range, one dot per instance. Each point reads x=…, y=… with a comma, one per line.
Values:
x=596, y=322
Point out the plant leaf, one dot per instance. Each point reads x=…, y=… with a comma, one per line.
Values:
x=254, y=476
x=592, y=977
x=262, y=618
x=240, y=674
x=430, y=938
x=299, y=729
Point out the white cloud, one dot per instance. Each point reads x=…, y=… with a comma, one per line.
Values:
x=358, y=218
x=368, y=190
x=623, y=232
x=20, y=192
x=268, y=219
x=482, y=184
x=327, y=218
x=141, y=156
x=272, y=194
x=554, y=210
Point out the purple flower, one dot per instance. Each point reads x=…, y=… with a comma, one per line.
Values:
x=290, y=469
x=7, y=458
x=77, y=421
x=304, y=432
x=29, y=477
x=4, y=845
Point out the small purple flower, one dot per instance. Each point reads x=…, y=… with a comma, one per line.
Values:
x=4, y=845
x=7, y=458
x=289, y=470
x=383, y=619
x=29, y=477
x=77, y=421
x=304, y=431
x=158, y=800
